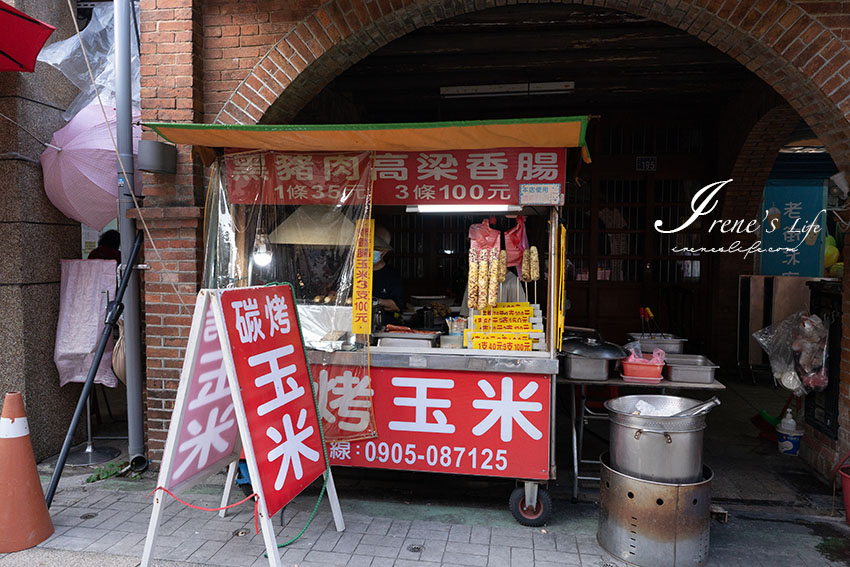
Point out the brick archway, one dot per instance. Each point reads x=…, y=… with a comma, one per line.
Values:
x=789, y=49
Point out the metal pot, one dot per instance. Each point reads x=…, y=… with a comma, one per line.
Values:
x=660, y=449
x=593, y=348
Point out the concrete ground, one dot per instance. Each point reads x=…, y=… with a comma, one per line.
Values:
x=780, y=515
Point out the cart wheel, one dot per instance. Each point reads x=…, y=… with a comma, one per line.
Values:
x=539, y=515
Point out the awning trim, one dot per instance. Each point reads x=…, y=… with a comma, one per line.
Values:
x=425, y=136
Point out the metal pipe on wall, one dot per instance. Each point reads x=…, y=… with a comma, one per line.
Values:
x=552, y=327
x=127, y=228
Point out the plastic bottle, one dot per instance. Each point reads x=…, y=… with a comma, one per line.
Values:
x=788, y=424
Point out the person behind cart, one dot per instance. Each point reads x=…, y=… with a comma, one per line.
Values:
x=386, y=283
x=108, y=247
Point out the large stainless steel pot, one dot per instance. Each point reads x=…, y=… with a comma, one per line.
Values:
x=660, y=449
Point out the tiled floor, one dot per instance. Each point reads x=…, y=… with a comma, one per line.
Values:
x=408, y=520
x=113, y=518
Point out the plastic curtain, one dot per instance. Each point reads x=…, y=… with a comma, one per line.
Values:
x=298, y=218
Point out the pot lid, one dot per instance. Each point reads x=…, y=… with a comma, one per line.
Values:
x=593, y=348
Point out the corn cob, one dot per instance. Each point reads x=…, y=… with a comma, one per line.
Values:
x=526, y=265
x=472, y=284
x=534, y=262
x=493, y=283
x=503, y=265
x=483, y=276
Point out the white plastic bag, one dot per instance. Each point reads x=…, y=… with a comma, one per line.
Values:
x=98, y=40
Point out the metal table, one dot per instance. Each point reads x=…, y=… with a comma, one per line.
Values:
x=578, y=390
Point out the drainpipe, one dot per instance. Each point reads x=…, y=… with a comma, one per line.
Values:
x=127, y=228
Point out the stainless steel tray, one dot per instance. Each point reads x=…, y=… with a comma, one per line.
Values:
x=667, y=342
x=584, y=368
x=431, y=337
x=690, y=368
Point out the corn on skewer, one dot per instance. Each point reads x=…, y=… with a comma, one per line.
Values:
x=534, y=264
x=533, y=268
x=503, y=272
x=483, y=276
x=503, y=265
x=526, y=265
x=472, y=284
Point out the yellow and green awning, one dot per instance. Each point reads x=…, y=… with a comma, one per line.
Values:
x=559, y=132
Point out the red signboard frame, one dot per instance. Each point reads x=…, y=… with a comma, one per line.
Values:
x=206, y=430
x=267, y=352
x=444, y=421
x=502, y=176
x=217, y=408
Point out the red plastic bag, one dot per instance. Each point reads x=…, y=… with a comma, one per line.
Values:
x=516, y=240
x=483, y=237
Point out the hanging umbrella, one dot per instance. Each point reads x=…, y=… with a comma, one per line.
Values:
x=21, y=38
x=80, y=166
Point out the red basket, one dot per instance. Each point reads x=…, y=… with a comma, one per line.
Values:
x=639, y=370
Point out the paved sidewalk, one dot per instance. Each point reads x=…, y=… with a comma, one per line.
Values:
x=105, y=525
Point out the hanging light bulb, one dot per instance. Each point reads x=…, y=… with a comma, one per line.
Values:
x=262, y=250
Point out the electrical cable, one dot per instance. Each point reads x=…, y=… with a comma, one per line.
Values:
x=135, y=25
x=36, y=138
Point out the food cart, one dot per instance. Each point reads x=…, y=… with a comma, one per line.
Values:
x=296, y=203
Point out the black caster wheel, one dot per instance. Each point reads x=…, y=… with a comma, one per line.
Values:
x=537, y=516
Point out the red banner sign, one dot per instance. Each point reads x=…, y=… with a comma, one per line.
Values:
x=271, y=367
x=455, y=422
x=495, y=176
x=207, y=433
x=345, y=401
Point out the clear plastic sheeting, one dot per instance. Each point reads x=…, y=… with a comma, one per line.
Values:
x=98, y=39
x=301, y=218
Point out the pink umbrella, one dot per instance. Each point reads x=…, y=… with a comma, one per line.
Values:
x=80, y=177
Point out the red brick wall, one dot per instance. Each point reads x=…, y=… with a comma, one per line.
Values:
x=171, y=88
x=816, y=448
x=252, y=61
x=170, y=287
x=171, y=82
x=793, y=51
x=236, y=36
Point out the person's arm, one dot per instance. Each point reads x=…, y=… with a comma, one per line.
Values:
x=395, y=301
x=389, y=304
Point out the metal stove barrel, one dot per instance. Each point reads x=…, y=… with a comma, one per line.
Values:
x=654, y=524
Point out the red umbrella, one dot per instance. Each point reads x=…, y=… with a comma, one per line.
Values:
x=21, y=38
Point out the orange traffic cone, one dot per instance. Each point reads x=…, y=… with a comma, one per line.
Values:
x=24, y=519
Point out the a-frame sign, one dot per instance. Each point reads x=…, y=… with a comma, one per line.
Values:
x=245, y=383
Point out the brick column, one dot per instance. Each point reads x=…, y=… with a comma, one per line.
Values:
x=170, y=287
x=172, y=91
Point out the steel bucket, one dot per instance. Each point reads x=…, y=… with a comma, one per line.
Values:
x=660, y=449
x=654, y=524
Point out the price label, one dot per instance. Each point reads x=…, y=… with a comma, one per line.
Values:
x=500, y=341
